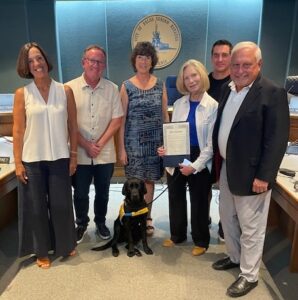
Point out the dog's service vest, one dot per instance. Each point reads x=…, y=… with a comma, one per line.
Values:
x=122, y=213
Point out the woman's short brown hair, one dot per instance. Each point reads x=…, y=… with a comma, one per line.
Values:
x=200, y=68
x=23, y=63
x=146, y=49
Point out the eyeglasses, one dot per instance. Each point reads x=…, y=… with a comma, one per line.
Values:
x=95, y=62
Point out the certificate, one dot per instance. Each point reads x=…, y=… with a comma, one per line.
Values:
x=176, y=143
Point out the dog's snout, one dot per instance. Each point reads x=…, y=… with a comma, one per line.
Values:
x=134, y=193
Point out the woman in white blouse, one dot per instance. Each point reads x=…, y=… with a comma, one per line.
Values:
x=198, y=109
x=45, y=148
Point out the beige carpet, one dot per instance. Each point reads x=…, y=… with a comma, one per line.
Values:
x=168, y=274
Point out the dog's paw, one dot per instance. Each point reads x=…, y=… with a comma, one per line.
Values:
x=131, y=253
x=138, y=252
x=148, y=251
x=115, y=252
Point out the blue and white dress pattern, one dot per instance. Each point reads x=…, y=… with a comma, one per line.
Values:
x=143, y=131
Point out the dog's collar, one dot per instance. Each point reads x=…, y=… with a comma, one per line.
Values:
x=122, y=213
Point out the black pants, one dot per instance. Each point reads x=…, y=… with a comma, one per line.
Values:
x=46, y=220
x=199, y=185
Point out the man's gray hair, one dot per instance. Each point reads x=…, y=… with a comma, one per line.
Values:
x=94, y=46
x=251, y=45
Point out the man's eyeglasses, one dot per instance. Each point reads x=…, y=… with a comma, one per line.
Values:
x=95, y=62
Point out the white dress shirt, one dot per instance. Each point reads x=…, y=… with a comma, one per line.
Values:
x=228, y=115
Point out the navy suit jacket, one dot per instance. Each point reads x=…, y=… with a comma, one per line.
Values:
x=258, y=136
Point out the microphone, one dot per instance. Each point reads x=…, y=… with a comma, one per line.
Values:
x=289, y=89
x=287, y=172
x=289, y=94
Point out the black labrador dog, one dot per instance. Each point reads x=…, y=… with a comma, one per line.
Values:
x=130, y=226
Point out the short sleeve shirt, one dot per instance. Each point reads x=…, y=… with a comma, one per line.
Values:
x=95, y=110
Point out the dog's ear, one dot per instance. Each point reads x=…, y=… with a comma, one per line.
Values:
x=124, y=188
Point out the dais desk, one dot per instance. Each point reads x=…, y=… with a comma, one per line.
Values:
x=8, y=186
x=284, y=208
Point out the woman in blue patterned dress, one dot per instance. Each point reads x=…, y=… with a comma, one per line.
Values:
x=144, y=102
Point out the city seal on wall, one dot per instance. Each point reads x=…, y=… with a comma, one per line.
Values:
x=163, y=33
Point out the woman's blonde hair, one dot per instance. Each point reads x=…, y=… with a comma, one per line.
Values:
x=201, y=70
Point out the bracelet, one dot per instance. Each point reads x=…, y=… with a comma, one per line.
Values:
x=75, y=152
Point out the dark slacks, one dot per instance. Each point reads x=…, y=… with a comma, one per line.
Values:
x=101, y=175
x=199, y=186
x=46, y=220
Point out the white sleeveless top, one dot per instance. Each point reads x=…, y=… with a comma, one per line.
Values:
x=46, y=133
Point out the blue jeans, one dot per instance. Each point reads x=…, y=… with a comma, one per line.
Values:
x=101, y=175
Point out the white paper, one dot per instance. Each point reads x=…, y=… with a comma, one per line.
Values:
x=176, y=138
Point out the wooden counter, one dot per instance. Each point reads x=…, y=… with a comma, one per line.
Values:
x=293, y=128
x=8, y=194
x=8, y=186
x=6, y=122
x=283, y=211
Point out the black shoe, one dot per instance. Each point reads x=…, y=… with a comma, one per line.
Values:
x=241, y=287
x=80, y=232
x=224, y=264
x=103, y=231
x=220, y=233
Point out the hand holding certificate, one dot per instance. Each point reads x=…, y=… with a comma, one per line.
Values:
x=176, y=143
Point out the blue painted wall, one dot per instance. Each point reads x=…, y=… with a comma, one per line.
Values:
x=279, y=40
x=79, y=24
x=272, y=23
x=22, y=21
x=111, y=23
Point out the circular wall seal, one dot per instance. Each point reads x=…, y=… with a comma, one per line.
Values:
x=163, y=33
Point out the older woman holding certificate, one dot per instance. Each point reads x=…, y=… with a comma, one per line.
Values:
x=198, y=109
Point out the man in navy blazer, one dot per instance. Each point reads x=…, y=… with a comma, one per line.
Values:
x=250, y=135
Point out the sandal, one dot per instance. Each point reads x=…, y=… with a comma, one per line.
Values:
x=43, y=263
x=168, y=243
x=149, y=227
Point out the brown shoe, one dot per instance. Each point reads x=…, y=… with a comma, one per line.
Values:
x=197, y=251
x=168, y=243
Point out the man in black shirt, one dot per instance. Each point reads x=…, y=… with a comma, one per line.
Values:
x=220, y=59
